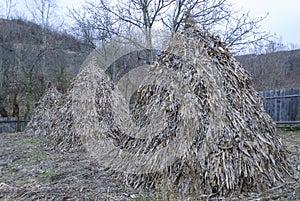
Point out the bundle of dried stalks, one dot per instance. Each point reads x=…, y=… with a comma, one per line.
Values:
x=198, y=125
x=44, y=113
x=62, y=135
x=53, y=117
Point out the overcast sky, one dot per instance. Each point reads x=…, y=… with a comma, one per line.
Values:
x=283, y=15
x=283, y=18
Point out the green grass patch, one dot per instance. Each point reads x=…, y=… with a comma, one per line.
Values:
x=48, y=173
x=23, y=161
x=37, y=155
x=34, y=156
x=288, y=129
x=33, y=141
x=140, y=197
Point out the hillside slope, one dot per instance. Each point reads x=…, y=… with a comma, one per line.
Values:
x=276, y=70
x=32, y=57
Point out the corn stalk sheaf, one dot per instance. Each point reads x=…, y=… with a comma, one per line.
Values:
x=197, y=127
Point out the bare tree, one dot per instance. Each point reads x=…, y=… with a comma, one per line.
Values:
x=123, y=19
x=243, y=32
x=8, y=8
x=206, y=14
x=140, y=15
x=8, y=69
x=30, y=57
x=239, y=30
x=43, y=11
x=91, y=27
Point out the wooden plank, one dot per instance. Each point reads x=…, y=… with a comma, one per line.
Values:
x=282, y=105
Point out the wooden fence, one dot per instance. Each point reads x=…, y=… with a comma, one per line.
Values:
x=12, y=124
x=283, y=105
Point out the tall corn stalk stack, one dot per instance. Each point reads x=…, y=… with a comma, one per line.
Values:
x=198, y=126
x=44, y=113
x=53, y=118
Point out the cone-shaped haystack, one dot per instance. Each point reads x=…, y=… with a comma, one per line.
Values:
x=63, y=134
x=235, y=147
x=197, y=123
x=53, y=117
x=44, y=113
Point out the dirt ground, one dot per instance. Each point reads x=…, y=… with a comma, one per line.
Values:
x=31, y=171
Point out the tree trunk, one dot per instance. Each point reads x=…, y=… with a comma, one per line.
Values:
x=3, y=112
x=16, y=112
x=28, y=95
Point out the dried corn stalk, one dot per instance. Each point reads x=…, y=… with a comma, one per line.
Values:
x=197, y=123
x=40, y=123
x=62, y=135
x=53, y=117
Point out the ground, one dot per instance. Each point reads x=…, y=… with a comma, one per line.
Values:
x=31, y=171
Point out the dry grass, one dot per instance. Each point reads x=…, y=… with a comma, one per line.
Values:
x=30, y=171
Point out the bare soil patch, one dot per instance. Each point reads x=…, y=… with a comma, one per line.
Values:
x=30, y=171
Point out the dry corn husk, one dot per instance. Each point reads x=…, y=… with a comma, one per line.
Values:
x=53, y=118
x=40, y=123
x=198, y=126
x=63, y=135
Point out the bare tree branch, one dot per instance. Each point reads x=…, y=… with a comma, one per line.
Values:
x=238, y=30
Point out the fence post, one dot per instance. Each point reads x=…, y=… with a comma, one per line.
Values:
x=282, y=105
